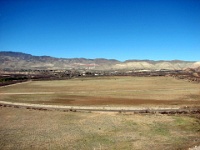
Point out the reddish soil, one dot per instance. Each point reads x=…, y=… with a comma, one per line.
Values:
x=87, y=100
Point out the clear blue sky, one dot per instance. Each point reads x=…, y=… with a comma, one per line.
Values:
x=119, y=29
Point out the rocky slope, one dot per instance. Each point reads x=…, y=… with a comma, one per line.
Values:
x=16, y=60
x=152, y=65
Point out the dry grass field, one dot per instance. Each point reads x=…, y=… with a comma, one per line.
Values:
x=22, y=128
x=105, y=91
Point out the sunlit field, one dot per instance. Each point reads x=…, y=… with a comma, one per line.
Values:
x=25, y=128
x=105, y=91
x=22, y=128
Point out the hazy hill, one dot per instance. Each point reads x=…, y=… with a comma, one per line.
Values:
x=17, y=60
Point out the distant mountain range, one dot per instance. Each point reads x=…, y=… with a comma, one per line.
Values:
x=17, y=60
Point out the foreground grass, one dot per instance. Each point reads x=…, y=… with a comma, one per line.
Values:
x=32, y=129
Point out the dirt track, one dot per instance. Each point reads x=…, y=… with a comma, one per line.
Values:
x=164, y=110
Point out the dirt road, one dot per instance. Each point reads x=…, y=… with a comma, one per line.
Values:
x=136, y=109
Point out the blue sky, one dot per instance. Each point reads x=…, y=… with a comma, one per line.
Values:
x=115, y=29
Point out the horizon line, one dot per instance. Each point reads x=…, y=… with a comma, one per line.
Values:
x=131, y=59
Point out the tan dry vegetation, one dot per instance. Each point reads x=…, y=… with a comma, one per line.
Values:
x=32, y=129
x=105, y=91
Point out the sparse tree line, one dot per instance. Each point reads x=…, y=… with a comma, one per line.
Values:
x=14, y=76
x=188, y=77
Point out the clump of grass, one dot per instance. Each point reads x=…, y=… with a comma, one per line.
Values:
x=160, y=129
x=94, y=140
x=187, y=123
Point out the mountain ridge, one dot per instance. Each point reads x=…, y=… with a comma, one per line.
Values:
x=19, y=60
